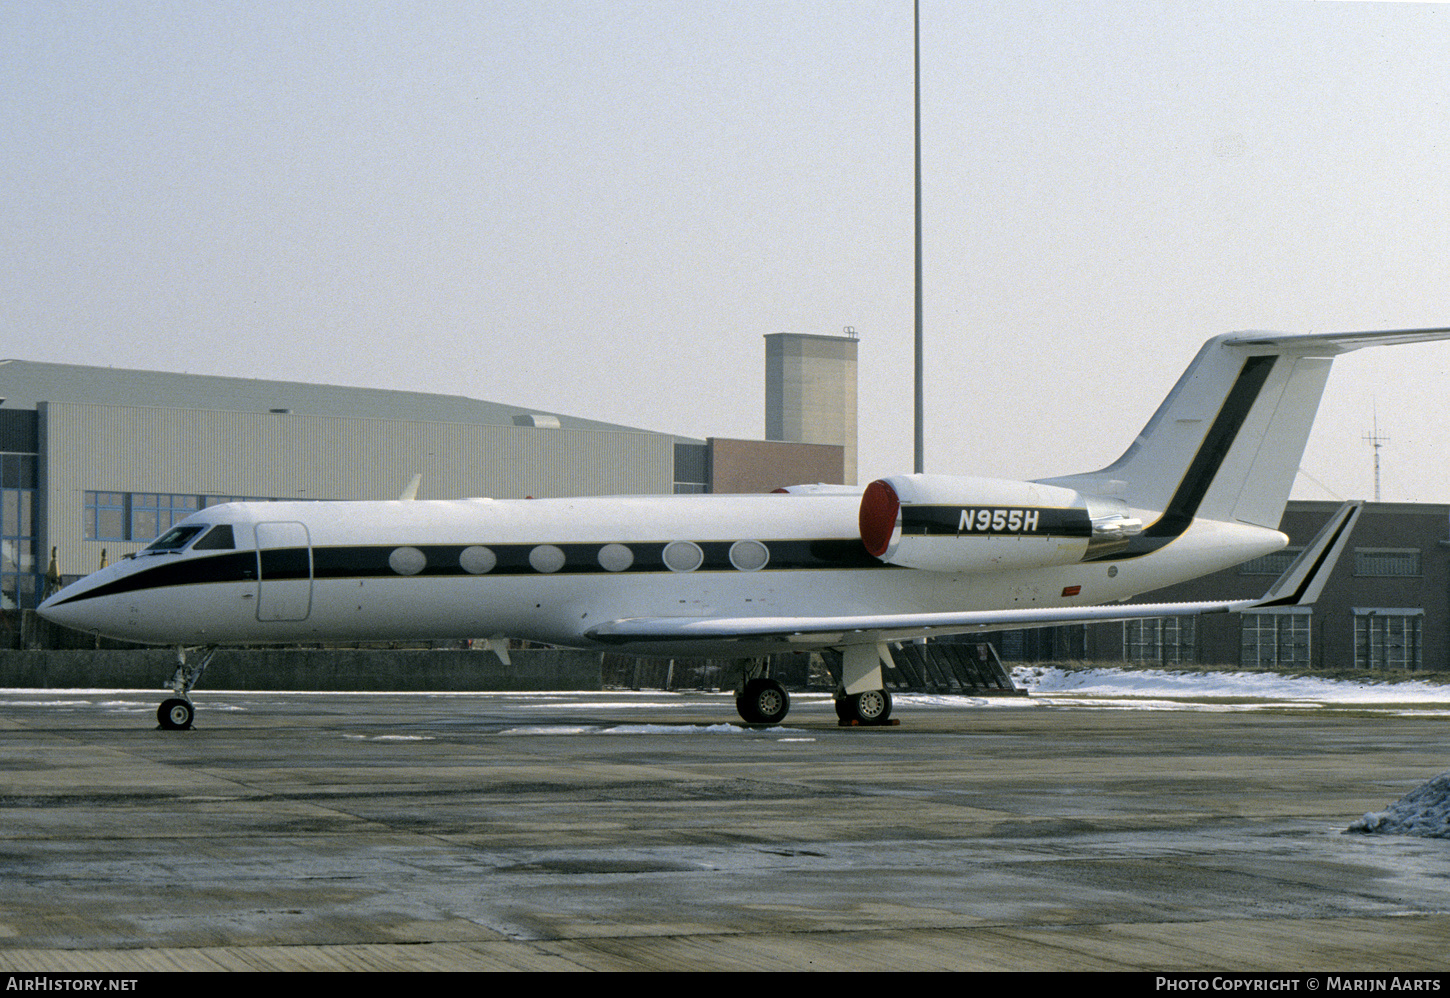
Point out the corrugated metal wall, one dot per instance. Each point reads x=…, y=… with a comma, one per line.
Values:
x=285, y=455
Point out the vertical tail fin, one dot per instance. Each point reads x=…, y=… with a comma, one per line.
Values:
x=1226, y=442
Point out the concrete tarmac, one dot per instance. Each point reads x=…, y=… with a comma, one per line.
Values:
x=629, y=831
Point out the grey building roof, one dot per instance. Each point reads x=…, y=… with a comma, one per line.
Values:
x=25, y=383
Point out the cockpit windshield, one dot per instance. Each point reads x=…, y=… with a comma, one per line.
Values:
x=174, y=539
x=219, y=539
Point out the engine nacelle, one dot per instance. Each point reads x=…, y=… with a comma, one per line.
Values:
x=945, y=523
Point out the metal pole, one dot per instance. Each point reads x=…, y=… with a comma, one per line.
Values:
x=920, y=450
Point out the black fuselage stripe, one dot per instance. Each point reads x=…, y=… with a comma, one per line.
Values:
x=1215, y=448
x=444, y=561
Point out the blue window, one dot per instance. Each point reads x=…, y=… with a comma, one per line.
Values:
x=134, y=516
x=105, y=516
x=19, y=574
x=152, y=514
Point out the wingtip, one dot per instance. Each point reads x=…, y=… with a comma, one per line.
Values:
x=1304, y=579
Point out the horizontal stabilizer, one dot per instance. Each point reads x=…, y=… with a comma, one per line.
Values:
x=1329, y=344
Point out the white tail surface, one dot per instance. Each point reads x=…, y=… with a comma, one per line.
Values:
x=1227, y=441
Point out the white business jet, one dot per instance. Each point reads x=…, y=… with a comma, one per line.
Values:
x=1201, y=489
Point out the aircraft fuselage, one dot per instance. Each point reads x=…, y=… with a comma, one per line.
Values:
x=551, y=570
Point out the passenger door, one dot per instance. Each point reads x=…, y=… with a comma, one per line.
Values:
x=284, y=571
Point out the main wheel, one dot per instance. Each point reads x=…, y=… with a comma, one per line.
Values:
x=764, y=702
x=871, y=707
x=175, y=714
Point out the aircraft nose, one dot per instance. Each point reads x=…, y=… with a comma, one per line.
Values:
x=61, y=609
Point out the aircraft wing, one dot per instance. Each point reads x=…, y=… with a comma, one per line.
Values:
x=872, y=628
x=1300, y=585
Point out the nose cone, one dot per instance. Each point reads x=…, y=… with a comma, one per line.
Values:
x=134, y=600
x=86, y=604
x=62, y=608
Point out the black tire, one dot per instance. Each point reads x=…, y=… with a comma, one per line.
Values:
x=764, y=702
x=846, y=709
x=175, y=714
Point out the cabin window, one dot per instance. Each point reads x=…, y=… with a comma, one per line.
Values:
x=477, y=560
x=749, y=556
x=683, y=556
x=615, y=557
x=407, y=561
x=546, y=558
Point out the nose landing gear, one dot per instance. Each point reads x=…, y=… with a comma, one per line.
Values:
x=177, y=712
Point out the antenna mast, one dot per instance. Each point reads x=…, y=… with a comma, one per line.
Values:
x=1376, y=441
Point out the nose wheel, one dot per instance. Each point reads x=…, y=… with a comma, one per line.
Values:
x=175, y=714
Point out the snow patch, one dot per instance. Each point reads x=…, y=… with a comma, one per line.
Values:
x=1160, y=683
x=1424, y=811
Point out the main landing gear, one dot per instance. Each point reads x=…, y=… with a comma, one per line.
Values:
x=763, y=701
x=861, y=697
x=177, y=712
x=870, y=707
x=760, y=699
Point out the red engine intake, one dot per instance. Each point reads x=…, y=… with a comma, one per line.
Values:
x=880, y=517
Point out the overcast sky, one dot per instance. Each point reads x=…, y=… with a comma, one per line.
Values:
x=599, y=208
